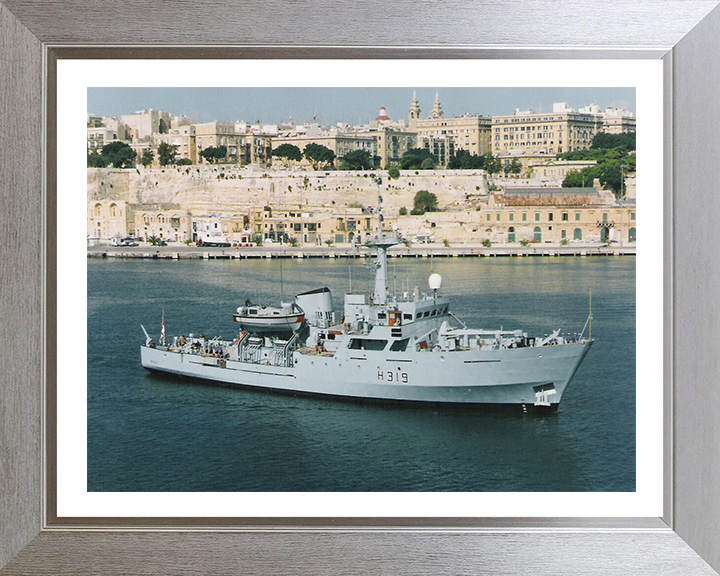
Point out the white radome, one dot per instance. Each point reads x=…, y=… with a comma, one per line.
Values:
x=435, y=281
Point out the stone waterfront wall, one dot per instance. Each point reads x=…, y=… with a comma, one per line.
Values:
x=203, y=189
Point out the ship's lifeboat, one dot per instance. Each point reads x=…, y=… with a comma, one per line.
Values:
x=257, y=318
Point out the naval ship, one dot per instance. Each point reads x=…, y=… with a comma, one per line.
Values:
x=384, y=348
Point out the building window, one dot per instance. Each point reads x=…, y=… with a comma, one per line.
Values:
x=563, y=234
x=537, y=216
x=97, y=209
x=497, y=217
x=512, y=216
x=577, y=216
x=550, y=217
x=511, y=234
x=488, y=217
x=565, y=217
x=524, y=217
x=632, y=215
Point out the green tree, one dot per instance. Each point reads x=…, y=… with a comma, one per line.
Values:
x=625, y=140
x=214, y=154
x=356, y=160
x=183, y=162
x=492, y=164
x=428, y=164
x=583, y=178
x=319, y=155
x=413, y=158
x=166, y=153
x=573, y=179
x=119, y=154
x=147, y=157
x=393, y=173
x=463, y=160
x=95, y=160
x=424, y=202
x=287, y=153
x=514, y=167
x=612, y=178
x=403, y=211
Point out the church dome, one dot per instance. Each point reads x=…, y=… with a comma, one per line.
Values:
x=383, y=117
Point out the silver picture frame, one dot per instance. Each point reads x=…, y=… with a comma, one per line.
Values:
x=685, y=34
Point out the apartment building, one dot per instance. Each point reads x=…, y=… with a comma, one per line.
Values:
x=443, y=136
x=562, y=130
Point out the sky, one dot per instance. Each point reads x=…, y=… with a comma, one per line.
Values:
x=349, y=105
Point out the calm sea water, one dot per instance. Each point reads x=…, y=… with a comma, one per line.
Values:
x=152, y=433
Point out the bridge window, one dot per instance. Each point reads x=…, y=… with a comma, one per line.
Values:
x=367, y=344
x=399, y=345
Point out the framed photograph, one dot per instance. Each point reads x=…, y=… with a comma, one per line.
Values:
x=323, y=222
x=85, y=499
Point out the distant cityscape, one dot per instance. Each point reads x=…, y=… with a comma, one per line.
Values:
x=526, y=178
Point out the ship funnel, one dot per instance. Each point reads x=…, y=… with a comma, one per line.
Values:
x=317, y=305
x=435, y=282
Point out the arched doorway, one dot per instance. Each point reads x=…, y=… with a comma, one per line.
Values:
x=603, y=234
x=538, y=234
x=631, y=235
x=577, y=234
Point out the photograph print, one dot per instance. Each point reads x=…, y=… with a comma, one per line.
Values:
x=361, y=289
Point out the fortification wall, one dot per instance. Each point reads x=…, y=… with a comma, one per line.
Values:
x=202, y=189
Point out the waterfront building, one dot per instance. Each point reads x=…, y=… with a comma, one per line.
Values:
x=107, y=219
x=351, y=226
x=171, y=224
x=557, y=216
x=551, y=133
x=536, y=216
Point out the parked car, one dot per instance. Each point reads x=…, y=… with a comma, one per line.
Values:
x=123, y=242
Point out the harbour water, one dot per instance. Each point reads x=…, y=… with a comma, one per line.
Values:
x=154, y=433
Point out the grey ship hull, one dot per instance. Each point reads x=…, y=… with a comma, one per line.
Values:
x=508, y=376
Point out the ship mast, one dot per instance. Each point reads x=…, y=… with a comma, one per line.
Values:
x=382, y=243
